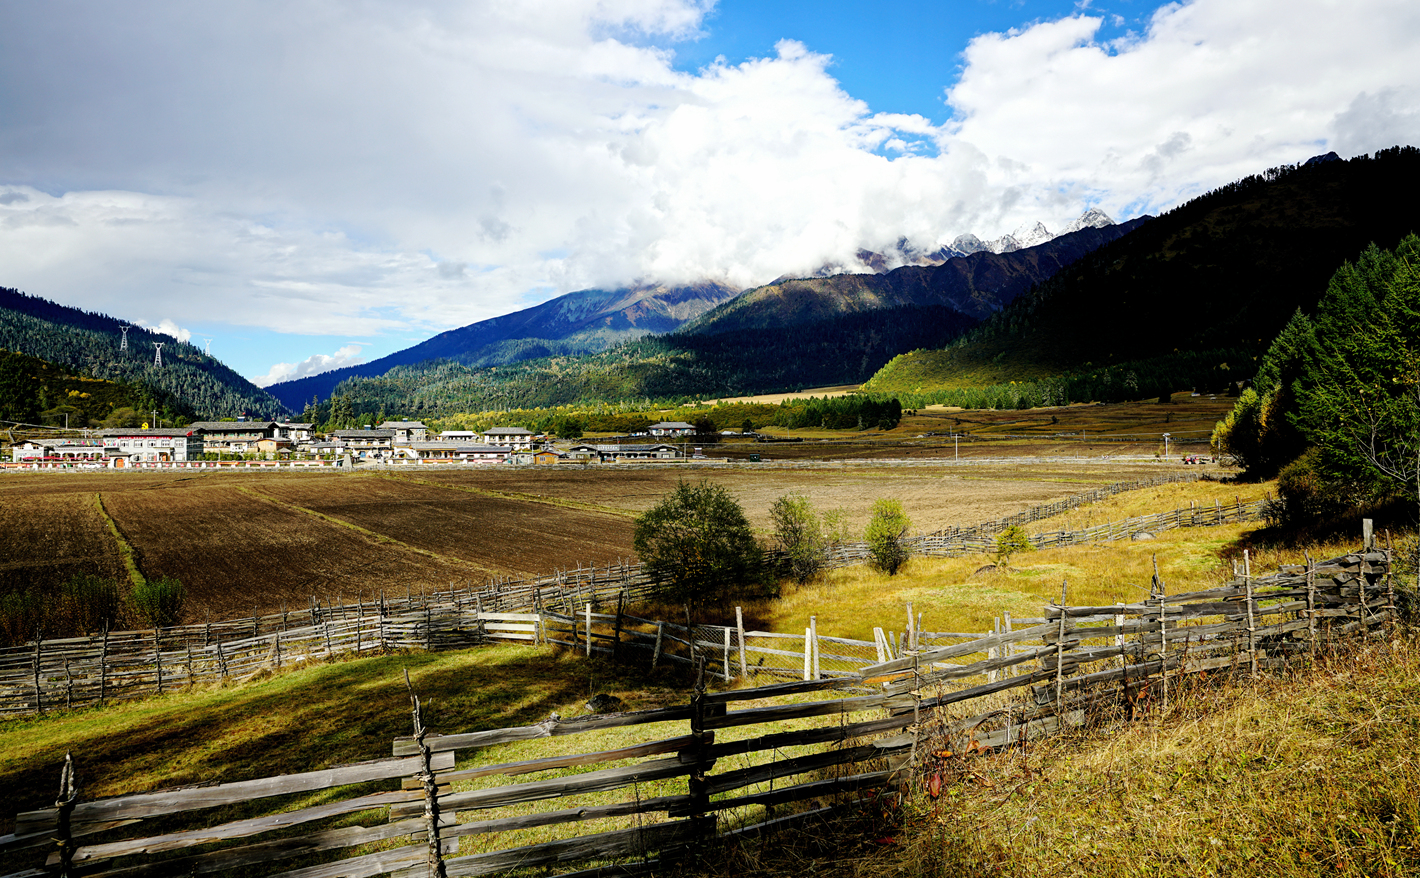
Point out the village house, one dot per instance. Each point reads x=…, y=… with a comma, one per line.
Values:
x=406, y=431
x=236, y=437
x=545, y=457
x=155, y=446
x=515, y=438
x=625, y=452
x=671, y=428
x=58, y=450
x=467, y=452
x=365, y=442
x=460, y=436
x=299, y=434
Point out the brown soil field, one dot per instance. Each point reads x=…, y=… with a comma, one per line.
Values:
x=235, y=552
x=499, y=534
x=47, y=538
x=934, y=497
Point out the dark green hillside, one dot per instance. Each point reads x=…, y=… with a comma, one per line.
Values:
x=838, y=350
x=33, y=391
x=89, y=344
x=1222, y=272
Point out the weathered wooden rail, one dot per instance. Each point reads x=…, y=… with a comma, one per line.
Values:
x=724, y=763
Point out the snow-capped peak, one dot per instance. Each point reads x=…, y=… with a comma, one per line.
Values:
x=1094, y=218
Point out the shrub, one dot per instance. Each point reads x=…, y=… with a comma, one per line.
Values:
x=698, y=542
x=159, y=601
x=1010, y=541
x=804, y=536
x=22, y=613
x=89, y=603
x=884, y=535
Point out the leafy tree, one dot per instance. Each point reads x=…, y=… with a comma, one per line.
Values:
x=1261, y=430
x=884, y=535
x=803, y=535
x=698, y=542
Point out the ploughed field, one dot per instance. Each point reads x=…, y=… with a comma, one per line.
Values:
x=245, y=542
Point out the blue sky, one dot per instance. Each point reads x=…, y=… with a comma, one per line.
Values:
x=335, y=182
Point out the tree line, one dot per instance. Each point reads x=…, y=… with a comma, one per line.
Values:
x=1334, y=410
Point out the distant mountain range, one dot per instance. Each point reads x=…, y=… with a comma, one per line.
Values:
x=584, y=322
x=972, y=285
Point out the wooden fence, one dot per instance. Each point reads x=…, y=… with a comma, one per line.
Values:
x=725, y=764
x=66, y=672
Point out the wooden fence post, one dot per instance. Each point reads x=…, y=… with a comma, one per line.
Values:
x=808, y=653
x=435, y=858
x=725, y=662
x=103, y=667
x=1251, y=622
x=616, y=631
x=911, y=628
x=1060, y=652
x=813, y=630
x=655, y=656
x=697, y=786
x=68, y=797
x=589, y=630
x=1311, y=604
x=740, y=630
x=158, y=659
x=39, y=693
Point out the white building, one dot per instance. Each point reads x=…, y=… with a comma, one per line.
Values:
x=466, y=452
x=57, y=450
x=515, y=438
x=155, y=446
x=671, y=428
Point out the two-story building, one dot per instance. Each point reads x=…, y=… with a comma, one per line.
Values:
x=364, y=443
x=155, y=445
x=465, y=452
x=58, y=450
x=515, y=438
x=237, y=437
x=671, y=428
x=406, y=431
x=625, y=452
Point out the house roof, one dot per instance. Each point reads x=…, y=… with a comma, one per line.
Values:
x=461, y=447
x=151, y=433
x=623, y=449
x=232, y=426
x=671, y=425
x=507, y=431
x=362, y=434
x=402, y=425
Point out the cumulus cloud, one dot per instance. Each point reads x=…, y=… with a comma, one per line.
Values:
x=312, y=365
x=167, y=327
x=388, y=167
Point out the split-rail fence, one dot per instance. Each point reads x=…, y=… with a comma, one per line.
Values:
x=738, y=763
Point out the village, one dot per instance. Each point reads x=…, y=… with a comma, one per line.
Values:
x=212, y=443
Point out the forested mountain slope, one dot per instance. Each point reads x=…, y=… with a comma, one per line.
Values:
x=33, y=391
x=584, y=322
x=89, y=343
x=1222, y=273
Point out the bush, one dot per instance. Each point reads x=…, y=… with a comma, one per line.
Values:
x=884, y=535
x=698, y=542
x=89, y=603
x=803, y=535
x=159, y=601
x=1306, y=494
x=22, y=613
x=1010, y=541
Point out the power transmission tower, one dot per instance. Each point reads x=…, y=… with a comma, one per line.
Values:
x=158, y=355
x=123, y=344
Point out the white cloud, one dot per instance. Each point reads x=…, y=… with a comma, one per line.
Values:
x=312, y=365
x=393, y=167
x=167, y=327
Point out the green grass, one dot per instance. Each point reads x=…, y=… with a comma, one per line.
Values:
x=302, y=720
